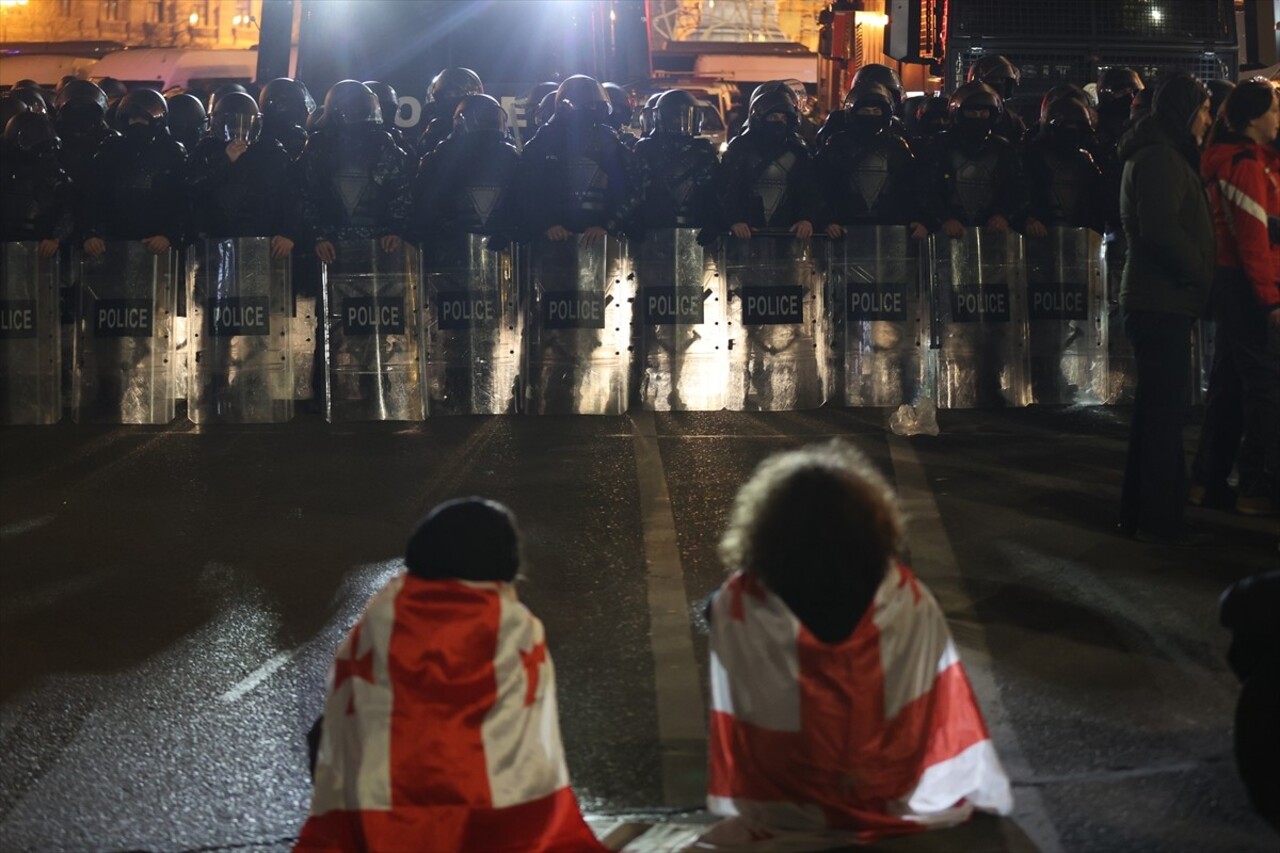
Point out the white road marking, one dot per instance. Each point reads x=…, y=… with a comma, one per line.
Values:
x=682, y=713
x=259, y=675
x=935, y=562
x=27, y=525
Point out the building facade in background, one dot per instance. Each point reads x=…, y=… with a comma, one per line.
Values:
x=132, y=23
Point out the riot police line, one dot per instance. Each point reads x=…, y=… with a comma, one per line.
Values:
x=772, y=323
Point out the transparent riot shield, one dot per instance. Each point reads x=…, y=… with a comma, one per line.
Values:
x=578, y=327
x=878, y=319
x=1067, y=317
x=30, y=336
x=238, y=306
x=776, y=323
x=125, y=357
x=473, y=327
x=682, y=354
x=980, y=330
x=373, y=334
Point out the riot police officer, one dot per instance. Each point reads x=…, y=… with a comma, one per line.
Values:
x=647, y=112
x=867, y=171
x=970, y=177
x=355, y=180
x=1064, y=183
x=1117, y=87
x=188, y=120
x=620, y=113
x=679, y=168
x=1002, y=76
x=464, y=185
x=447, y=88
x=873, y=72
x=932, y=116
x=81, y=125
x=575, y=176
x=389, y=105
x=240, y=182
x=286, y=106
x=136, y=181
x=35, y=192
x=767, y=179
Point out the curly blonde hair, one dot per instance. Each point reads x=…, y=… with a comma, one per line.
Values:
x=819, y=526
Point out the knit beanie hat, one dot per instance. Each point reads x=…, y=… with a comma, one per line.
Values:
x=468, y=539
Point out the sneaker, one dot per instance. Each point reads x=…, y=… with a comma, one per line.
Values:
x=1256, y=505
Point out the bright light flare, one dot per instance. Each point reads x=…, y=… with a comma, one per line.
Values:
x=1157, y=15
x=193, y=18
x=871, y=19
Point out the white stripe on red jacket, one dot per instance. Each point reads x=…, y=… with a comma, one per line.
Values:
x=877, y=735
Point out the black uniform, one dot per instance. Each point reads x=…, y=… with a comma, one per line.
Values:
x=253, y=197
x=972, y=174
x=767, y=178
x=35, y=192
x=1064, y=184
x=680, y=176
x=355, y=184
x=867, y=170
x=136, y=187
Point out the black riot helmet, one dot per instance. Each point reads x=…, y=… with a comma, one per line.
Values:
x=647, y=114
x=144, y=106
x=1069, y=119
x=975, y=108
x=80, y=105
x=479, y=112
x=997, y=72
x=1118, y=83
x=33, y=98
x=388, y=101
x=236, y=118
x=885, y=76
x=1063, y=91
x=225, y=89
x=114, y=89
x=677, y=111
x=932, y=116
x=770, y=103
x=619, y=104
x=349, y=102
x=871, y=106
x=583, y=94
x=286, y=101
x=546, y=109
x=452, y=84
x=31, y=132
x=187, y=119
x=10, y=107
x=783, y=86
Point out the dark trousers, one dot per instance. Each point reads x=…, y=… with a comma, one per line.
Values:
x=1155, y=488
x=1244, y=395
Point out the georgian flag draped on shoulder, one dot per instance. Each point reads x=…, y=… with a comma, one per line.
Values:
x=877, y=735
x=441, y=731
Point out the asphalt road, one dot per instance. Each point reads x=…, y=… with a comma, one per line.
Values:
x=170, y=599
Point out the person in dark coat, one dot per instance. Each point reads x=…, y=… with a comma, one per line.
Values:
x=355, y=180
x=1165, y=287
x=767, y=178
x=136, y=182
x=35, y=192
x=241, y=185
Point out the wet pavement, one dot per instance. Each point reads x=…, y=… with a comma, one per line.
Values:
x=170, y=599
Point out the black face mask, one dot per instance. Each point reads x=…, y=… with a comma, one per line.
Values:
x=1070, y=135
x=1117, y=109
x=973, y=130
x=869, y=125
x=141, y=132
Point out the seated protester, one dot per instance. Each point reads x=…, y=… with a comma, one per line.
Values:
x=1064, y=183
x=841, y=713
x=1248, y=608
x=135, y=188
x=241, y=183
x=767, y=179
x=355, y=180
x=464, y=186
x=680, y=168
x=970, y=177
x=575, y=177
x=867, y=171
x=35, y=192
x=440, y=730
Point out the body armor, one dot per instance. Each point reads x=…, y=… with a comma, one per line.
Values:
x=680, y=176
x=576, y=176
x=35, y=196
x=1063, y=183
x=253, y=197
x=136, y=187
x=767, y=180
x=465, y=183
x=355, y=183
x=868, y=179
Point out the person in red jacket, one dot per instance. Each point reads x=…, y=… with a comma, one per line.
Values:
x=1242, y=172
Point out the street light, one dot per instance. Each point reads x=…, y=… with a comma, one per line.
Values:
x=193, y=19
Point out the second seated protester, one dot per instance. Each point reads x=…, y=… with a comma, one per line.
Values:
x=1242, y=172
x=440, y=730
x=841, y=712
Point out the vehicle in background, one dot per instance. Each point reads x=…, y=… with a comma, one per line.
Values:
x=178, y=69
x=47, y=69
